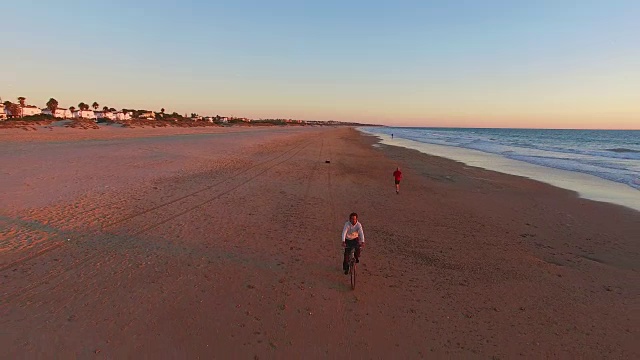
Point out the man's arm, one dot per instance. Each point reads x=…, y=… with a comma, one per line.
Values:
x=344, y=232
x=361, y=234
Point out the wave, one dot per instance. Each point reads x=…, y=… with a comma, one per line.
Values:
x=623, y=150
x=478, y=142
x=606, y=171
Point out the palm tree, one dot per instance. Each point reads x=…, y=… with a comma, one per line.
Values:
x=11, y=108
x=22, y=100
x=95, y=105
x=52, y=105
x=162, y=111
x=82, y=107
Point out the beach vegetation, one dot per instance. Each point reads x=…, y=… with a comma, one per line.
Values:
x=39, y=117
x=280, y=122
x=29, y=122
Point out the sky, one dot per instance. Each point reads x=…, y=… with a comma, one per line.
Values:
x=454, y=63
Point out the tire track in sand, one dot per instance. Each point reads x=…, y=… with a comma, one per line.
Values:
x=112, y=242
x=69, y=234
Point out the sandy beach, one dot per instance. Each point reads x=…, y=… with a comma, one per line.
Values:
x=219, y=243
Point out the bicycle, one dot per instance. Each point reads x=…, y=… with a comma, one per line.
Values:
x=352, y=268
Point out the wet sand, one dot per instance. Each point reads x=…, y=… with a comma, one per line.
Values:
x=227, y=245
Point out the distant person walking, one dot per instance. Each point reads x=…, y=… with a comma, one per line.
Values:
x=392, y=136
x=397, y=175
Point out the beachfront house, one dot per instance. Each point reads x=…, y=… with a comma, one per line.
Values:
x=3, y=114
x=108, y=115
x=27, y=110
x=84, y=114
x=59, y=113
x=31, y=110
x=121, y=116
x=149, y=115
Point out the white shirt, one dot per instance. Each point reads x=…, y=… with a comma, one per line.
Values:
x=351, y=232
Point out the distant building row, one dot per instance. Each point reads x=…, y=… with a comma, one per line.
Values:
x=62, y=113
x=30, y=110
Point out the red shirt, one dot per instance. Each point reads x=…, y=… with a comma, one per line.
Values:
x=398, y=175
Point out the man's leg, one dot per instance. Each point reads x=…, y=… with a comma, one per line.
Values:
x=345, y=261
x=358, y=252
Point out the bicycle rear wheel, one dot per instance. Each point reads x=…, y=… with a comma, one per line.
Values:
x=352, y=270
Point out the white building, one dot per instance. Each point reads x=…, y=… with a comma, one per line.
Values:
x=149, y=115
x=120, y=116
x=84, y=114
x=105, y=115
x=59, y=113
x=3, y=114
x=27, y=110
x=30, y=110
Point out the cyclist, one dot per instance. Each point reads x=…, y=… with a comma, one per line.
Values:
x=352, y=237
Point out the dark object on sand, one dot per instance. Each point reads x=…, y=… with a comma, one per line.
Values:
x=328, y=161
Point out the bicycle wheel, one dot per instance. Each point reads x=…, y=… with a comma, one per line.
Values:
x=352, y=270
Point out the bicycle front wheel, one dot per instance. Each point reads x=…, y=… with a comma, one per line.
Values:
x=353, y=276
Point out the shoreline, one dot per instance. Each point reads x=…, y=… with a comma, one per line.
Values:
x=585, y=185
x=178, y=235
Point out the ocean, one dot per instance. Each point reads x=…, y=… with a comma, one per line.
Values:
x=613, y=156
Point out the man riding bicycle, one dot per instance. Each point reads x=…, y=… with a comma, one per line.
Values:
x=352, y=238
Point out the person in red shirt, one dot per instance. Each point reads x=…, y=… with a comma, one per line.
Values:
x=397, y=175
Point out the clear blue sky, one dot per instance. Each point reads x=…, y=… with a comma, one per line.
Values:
x=422, y=63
